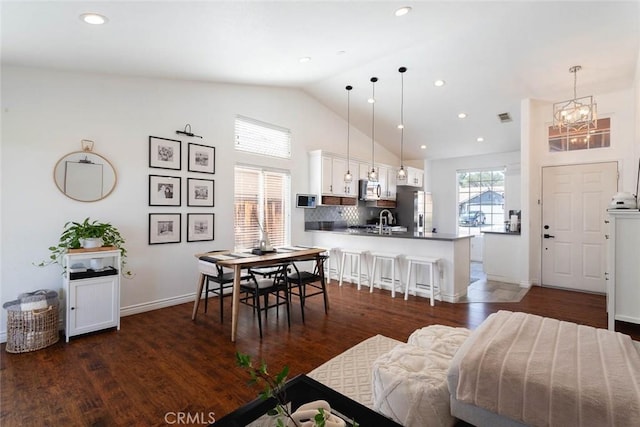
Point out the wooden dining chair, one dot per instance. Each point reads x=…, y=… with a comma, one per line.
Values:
x=305, y=284
x=261, y=286
x=222, y=288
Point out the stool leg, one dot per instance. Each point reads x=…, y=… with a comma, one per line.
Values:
x=359, y=270
x=393, y=278
x=373, y=275
x=406, y=286
x=432, y=284
x=341, y=273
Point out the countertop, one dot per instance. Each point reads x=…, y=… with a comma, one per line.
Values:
x=397, y=235
x=506, y=233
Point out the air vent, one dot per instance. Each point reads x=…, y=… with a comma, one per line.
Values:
x=504, y=117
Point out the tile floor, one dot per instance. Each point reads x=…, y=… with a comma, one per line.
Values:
x=482, y=290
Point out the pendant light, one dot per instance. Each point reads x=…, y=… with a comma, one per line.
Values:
x=373, y=175
x=347, y=176
x=577, y=113
x=402, y=174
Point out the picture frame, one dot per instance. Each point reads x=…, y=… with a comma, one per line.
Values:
x=164, y=190
x=165, y=153
x=164, y=228
x=200, y=227
x=202, y=158
x=200, y=192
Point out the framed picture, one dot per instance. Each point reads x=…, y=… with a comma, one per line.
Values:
x=165, y=153
x=200, y=192
x=164, y=228
x=199, y=227
x=164, y=190
x=202, y=158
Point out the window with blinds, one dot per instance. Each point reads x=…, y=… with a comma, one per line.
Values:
x=261, y=198
x=258, y=137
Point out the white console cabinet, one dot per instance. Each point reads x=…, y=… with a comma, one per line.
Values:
x=92, y=297
x=623, y=268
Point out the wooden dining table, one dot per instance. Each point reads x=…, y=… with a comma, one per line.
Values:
x=238, y=260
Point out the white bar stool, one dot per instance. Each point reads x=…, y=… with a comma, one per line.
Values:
x=360, y=256
x=384, y=257
x=335, y=254
x=433, y=264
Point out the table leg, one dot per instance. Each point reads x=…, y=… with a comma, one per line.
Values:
x=196, y=303
x=236, y=302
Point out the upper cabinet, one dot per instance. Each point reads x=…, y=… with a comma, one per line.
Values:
x=387, y=180
x=415, y=177
x=326, y=178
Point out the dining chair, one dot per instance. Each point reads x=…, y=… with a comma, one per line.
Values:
x=305, y=284
x=224, y=284
x=262, y=286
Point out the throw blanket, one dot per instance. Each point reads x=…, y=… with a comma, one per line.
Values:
x=545, y=372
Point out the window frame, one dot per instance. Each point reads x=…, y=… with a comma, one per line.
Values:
x=492, y=223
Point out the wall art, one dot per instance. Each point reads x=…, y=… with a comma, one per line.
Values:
x=200, y=192
x=165, y=153
x=164, y=228
x=164, y=190
x=199, y=227
x=202, y=158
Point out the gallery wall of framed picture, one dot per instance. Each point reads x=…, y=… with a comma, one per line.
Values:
x=166, y=191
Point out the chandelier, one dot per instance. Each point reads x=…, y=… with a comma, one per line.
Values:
x=578, y=113
x=402, y=174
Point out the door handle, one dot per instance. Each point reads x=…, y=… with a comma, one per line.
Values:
x=548, y=236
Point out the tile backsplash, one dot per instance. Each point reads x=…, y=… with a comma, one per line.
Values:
x=338, y=216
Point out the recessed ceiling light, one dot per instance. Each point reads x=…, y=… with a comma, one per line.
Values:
x=341, y=52
x=400, y=126
x=403, y=11
x=462, y=115
x=93, y=18
x=438, y=83
x=304, y=59
x=371, y=101
x=424, y=147
x=480, y=139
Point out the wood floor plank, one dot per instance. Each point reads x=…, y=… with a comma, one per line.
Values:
x=162, y=363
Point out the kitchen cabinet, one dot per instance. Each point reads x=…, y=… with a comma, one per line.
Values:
x=92, y=290
x=326, y=178
x=387, y=179
x=623, y=269
x=415, y=177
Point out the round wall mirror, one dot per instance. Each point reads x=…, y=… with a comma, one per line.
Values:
x=85, y=176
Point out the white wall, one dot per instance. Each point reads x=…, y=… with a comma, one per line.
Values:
x=45, y=114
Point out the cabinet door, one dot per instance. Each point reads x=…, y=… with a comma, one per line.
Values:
x=93, y=304
x=391, y=184
x=327, y=175
x=339, y=169
x=364, y=170
x=382, y=180
x=352, y=188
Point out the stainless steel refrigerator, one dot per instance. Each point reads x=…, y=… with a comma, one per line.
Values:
x=410, y=209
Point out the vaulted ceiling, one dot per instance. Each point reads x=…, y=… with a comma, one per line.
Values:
x=491, y=55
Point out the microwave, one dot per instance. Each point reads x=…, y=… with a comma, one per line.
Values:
x=369, y=190
x=307, y=201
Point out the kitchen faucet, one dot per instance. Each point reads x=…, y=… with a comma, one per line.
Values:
x=382, y=219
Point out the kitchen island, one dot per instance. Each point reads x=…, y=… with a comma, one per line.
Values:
x=454, y=252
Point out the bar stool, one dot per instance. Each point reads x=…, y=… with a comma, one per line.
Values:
x=332, y=264
x=380, y=258
x=358, y=255
x=433, y=264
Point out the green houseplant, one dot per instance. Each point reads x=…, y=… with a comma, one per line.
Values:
x=75, y=234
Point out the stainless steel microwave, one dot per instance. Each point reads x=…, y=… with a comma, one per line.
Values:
x=306, y=201
x=369, y=190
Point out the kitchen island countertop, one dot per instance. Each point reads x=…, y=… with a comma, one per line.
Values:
x=399, y=235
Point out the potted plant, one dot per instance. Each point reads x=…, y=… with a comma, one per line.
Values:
x=87, y=234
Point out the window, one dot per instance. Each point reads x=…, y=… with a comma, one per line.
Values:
x=258, y=137
x=480, y=201
x=583, y=139
x=261, y=198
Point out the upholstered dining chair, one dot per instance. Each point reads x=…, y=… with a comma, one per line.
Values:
x=305, y=284
x=262, y=286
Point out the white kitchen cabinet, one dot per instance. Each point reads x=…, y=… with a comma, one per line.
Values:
x=387, y=179
x=415, y=177
x=92, y=297
x=623, y=268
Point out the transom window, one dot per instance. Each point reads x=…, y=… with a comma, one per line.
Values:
x=583, y=139
x=263, y=138
x=480, y=200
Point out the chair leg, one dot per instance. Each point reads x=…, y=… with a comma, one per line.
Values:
x=256, y=300
x=206, y=292
x=220, y=296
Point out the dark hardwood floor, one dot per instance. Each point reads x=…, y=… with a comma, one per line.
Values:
x=161, y=362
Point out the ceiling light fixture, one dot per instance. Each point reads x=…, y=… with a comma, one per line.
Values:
x=347, y=176
x=480, y=139
x=423, y=147
x=304, y=59
x=93, y=18
x=403, y=11
x=439, y=83
x=462, y=115
x=402, y=174
x=373, y=175
x=577, y=113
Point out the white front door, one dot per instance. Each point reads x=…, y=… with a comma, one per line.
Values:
x=574, y=203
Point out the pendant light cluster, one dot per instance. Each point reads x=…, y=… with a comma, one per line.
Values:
x=372, y=175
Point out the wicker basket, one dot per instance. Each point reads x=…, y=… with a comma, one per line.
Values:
x=31, y=330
